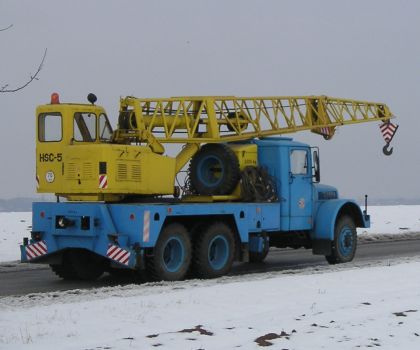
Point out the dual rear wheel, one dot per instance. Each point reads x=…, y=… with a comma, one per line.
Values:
x=209, y=254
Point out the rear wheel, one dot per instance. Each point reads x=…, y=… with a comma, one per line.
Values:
x=86, y=265
x=79, y=264
x=345, y=241
x=172, y=254
x=64, y=270
x=123, y=274
x=214, y=251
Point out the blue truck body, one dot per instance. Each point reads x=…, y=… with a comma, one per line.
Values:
x=305, y=215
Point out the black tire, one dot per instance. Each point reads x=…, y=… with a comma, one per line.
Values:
x=172, y=254
x=123, y=274
x=86, y=265
x=214, y=251
x=260, y=257
x=344, y=246
x=214, y=170
x=64, y=270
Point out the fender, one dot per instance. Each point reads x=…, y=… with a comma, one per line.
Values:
x=329, y=211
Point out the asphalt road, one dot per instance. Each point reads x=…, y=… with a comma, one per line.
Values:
x=22, y=279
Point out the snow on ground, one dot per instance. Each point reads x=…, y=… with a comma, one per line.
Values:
x=397, y=219
x=401, y=220
x=348, y=308
x=13, y=227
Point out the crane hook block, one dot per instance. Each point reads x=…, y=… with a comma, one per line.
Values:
x=387, y=151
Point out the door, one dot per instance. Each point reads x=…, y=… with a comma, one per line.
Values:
x=300, y=182
x=49, y=152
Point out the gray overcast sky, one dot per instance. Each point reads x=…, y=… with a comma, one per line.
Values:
x=359, y=49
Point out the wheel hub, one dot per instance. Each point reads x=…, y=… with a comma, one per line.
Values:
x=173, y=255
x=218, y=252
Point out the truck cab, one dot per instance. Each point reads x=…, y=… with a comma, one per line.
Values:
x=291, y=164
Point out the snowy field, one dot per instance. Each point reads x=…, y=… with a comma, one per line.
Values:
x=348, y=306
x=13, y=227
x=386, y=220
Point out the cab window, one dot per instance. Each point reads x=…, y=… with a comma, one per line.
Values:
x=50, y=127
x=105, y=130
x=84, y=127
x=299, y=162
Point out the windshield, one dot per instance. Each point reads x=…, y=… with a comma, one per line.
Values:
x=84, y=127
x=87, y=129
x=105, y=130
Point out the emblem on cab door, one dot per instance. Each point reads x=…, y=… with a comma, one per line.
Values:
x=301, y=203
x=49, y=176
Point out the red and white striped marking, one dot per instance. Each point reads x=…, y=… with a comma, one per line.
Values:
x=146, y=226
x=388, y=131
x=118, y=254
x=325, y=131
x=103, y=181
x=36, y=250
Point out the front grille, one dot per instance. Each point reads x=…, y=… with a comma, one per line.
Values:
x=322, y=196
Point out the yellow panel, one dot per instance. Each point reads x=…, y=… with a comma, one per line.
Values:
x=247, y=154
x=72, y=169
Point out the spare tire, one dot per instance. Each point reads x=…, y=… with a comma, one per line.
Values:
x=214, y=170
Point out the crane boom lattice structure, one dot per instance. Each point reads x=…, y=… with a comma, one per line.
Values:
x=223, y=119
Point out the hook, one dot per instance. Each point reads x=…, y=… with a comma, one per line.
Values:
x=387, y=151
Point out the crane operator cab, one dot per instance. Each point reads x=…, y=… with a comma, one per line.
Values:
x=78, y=159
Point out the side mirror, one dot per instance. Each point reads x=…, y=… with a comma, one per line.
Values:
x=317, y=173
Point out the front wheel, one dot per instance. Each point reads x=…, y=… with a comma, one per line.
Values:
x=345, y=241
x=214, y=251
x=172, y=254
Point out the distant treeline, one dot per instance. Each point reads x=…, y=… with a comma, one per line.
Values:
x=19, y=204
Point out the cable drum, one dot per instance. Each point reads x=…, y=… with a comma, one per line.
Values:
x=257, y=185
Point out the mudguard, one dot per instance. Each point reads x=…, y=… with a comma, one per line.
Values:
x=329, y=211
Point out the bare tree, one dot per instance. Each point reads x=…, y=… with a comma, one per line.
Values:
x=6, y=87
x=3, y=29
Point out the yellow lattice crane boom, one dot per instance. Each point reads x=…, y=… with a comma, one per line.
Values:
x=216, y=119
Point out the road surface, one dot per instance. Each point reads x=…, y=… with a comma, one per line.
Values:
x=19, y=279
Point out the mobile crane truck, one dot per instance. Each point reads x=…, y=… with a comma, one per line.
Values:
x=245, y=189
